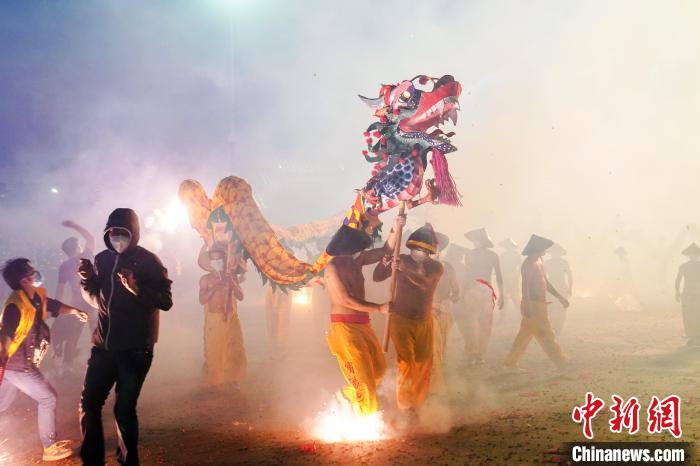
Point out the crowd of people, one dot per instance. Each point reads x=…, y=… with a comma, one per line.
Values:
x=119, y=293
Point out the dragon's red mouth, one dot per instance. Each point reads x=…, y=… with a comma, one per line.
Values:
x=435, y=107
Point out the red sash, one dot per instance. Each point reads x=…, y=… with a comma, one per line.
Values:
x=350, y=318
x=493, y=292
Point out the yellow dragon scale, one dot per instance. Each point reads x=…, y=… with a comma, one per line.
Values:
x=256, y=235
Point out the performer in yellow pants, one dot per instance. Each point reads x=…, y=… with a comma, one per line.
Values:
x=411, y=327
x=413, y=340
x=446, y=294
x=535, y=322
x=361, y=361
x=224, y=350
x=351, y=338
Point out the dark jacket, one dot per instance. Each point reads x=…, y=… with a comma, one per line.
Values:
x=127, y=321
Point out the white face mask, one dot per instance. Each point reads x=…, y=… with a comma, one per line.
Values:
x=217, y=264
x=119, y=243
x=418, y=255
x=38, y=280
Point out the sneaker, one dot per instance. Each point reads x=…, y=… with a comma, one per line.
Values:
x=57, y=451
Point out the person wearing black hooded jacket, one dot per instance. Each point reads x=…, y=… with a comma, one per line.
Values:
x=128, y=285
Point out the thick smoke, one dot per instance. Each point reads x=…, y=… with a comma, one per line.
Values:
x=579, y=122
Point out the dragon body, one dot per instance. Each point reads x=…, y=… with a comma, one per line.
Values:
x=398, y=145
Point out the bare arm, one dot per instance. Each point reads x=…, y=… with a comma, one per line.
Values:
x=381, y=272
x=89, y=239
x=499, y=280
x=372, y=256
x=203, y=258
x=339, y=294
x=570, y=281
x=554, y=292
x=399, y=221
x=679, y=279
x=60, y=288
x=525, y=282
x=453, y=284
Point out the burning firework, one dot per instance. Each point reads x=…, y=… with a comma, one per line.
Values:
x=4, y=457
x=339, y=423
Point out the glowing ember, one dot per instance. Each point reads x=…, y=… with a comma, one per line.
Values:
x=338, y=423
x=4, y=457
x=302, y=298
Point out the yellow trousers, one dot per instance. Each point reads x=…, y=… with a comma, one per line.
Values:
x=691, y=315
x=223, y=348
x=535, y=324
x=413, y=341
x=476, y=319
x=442, y=322
x=361, y=361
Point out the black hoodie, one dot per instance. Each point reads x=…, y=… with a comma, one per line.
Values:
x=127, y=321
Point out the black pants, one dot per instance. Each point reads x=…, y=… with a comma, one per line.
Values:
x=128, y=370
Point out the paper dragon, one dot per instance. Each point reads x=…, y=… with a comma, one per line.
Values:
x=406, y=133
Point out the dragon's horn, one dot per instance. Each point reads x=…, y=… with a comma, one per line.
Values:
x=372, y=103
x=423, y=79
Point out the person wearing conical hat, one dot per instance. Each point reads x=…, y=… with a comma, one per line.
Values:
x=411, y=328
x=533, y=307
x=446, y=294
x=475, y=318
x=559, y=275
x=689, y=297
x=351, y=338
x=510, y=269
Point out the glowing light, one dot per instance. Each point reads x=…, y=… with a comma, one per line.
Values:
x=4, y=456
x=54, y=190
x=339, y=423
x=168, y=219
x=302, y=298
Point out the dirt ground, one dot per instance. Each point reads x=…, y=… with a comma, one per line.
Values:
x=485, y=416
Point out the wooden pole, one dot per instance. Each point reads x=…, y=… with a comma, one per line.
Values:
x=3, y=365
x=394, y=277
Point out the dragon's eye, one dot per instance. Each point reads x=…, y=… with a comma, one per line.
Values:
x=405, y=95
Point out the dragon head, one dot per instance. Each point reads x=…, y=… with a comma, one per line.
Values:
x=415, y=111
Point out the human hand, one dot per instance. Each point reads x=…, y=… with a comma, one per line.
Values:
x=86, y=270
x=564, y=302
x=82, y=316
x=384, y=308
x=237, y=290
x=396, y=264
x=128, y=281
